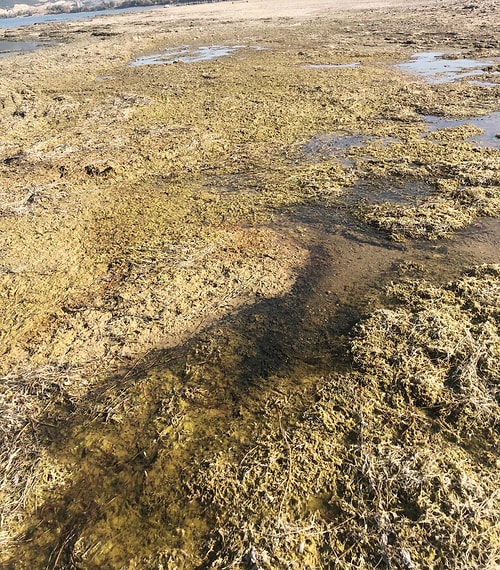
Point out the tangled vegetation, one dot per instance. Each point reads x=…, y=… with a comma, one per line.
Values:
x=390, y=464
x=382, y=466
x=199, y=364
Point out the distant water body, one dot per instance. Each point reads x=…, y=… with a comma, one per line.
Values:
x=10, y=23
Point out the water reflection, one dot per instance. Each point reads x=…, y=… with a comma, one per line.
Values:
x=490, y=124
x=484, y=83
x=186, y=55
x=436, y=68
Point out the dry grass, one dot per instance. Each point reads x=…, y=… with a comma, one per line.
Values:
x=27, y=473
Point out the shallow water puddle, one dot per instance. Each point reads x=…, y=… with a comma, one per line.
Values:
x=332, y=65
x=15, y=48
x=490, y=124
x=485, y=83
x=186, y=55
x=333, y=143
x=405, y=192
x=324, y=146
x=436, y=68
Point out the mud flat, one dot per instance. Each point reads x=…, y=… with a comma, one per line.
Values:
x=250, y=288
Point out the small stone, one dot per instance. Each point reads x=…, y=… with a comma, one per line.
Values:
x=407, y=561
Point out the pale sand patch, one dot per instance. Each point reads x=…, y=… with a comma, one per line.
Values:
x=248, y=10
x=284, y=8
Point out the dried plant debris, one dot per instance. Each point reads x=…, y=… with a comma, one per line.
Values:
x=141, y=217
x=440, y=347
x=432, y=219
x=447, y=208
x=485, y=200
x=28, y=474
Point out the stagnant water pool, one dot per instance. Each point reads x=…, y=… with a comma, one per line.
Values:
x=438, y=67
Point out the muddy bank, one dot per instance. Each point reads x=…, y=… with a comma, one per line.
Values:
x=241, y=324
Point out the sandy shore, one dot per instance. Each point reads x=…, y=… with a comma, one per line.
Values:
x=259, y=9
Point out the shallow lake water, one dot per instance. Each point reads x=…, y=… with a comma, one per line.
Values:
x=185, y=54
x=484, y=83
x=21, y=21
x=325, y=145
x=490, y=124
x=436, y=68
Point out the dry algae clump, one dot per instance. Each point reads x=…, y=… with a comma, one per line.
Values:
x=433, y=219
x=440, y=348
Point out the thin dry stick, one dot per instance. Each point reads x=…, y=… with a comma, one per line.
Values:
x=289, y=478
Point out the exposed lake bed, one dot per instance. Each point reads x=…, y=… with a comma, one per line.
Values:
x=250, y=299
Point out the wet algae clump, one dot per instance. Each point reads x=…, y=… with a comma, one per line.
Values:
x=210, y=355
x=375, y=466
x=462, y=185
x=393, y=462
